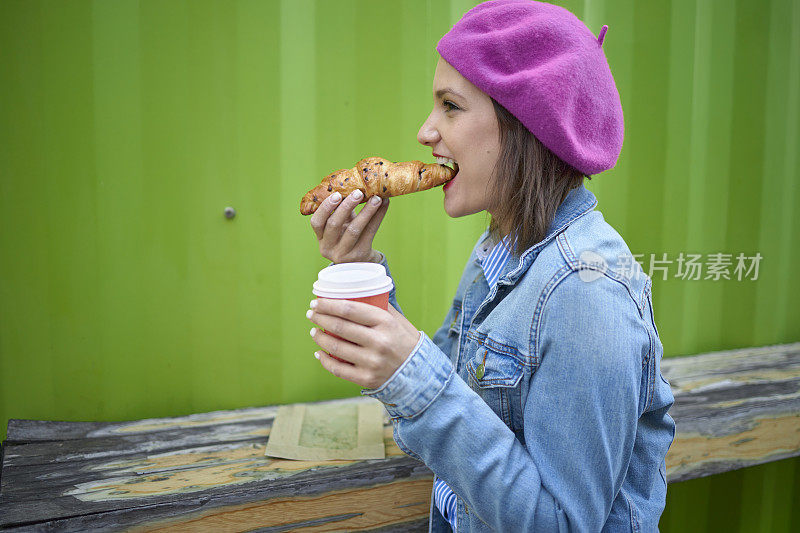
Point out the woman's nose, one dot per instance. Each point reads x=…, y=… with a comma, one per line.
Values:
x=427, y=133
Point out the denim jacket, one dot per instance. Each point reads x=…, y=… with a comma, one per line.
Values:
x=541, y=402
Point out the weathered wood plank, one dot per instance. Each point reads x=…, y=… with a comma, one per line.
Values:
x=168, y=474
x=733, y=409
x=138, y=437
x=399, y=498
x=764, y=363
x=392, y=503
x=39, y=430
x=47, y=452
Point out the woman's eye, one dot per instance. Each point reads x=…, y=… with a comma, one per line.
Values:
x=449, y=105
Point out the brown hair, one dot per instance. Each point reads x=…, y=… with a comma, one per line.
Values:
x=530, y=183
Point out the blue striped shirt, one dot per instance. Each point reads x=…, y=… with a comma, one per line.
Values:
x=492, y=266
x=494, y=262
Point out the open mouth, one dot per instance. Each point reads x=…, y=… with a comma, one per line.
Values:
x=449, y=163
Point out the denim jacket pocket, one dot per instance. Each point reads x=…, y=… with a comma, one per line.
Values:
x=494, y=373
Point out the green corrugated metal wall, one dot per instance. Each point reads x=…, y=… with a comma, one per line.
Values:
x=127, y=127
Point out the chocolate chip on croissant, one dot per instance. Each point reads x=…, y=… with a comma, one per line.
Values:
x=377, y=176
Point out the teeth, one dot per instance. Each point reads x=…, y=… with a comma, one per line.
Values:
x=447, y=161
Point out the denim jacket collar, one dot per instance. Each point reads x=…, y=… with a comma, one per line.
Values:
x=578, y=202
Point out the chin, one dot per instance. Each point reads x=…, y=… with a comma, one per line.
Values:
x=451, y=211
x=455, y=211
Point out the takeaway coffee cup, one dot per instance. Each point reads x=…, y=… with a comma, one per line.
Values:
x=360, y=282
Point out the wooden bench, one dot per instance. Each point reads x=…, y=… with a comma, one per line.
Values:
x=733, y=409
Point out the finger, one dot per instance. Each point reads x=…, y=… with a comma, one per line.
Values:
x=349, y=331
x=359, y=312
x=339, y=347
x=336, y=222
x=339, y=369
x=320, y=216
x=356, y=228
x=352, y=216
x=369, y=231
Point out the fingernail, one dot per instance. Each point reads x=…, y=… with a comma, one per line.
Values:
x=357, y=194
x=335, y=197
x=376, y=200
x=313, y=304
x=309, y=313
x=313, y=331
x=316, y=354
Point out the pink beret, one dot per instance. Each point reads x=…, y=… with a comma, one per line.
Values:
x=543, y=65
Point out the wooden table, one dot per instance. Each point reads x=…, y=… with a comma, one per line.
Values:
x=208, y=471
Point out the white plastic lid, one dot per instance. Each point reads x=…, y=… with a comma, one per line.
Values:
x=352, y=280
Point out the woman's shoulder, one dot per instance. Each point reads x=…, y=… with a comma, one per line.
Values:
x=590, y=249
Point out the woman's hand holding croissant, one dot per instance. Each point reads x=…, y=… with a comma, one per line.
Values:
x=343, y=236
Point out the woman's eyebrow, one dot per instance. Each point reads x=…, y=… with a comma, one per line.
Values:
x=441, y=92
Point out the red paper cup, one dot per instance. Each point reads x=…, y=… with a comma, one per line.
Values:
x=360, y=282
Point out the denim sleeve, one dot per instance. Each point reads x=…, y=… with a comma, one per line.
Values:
x=580, y=417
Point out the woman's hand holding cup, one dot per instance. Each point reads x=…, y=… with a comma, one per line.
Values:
x=364, y=338
x=343, y=236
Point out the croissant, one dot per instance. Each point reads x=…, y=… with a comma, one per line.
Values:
x=378, y=176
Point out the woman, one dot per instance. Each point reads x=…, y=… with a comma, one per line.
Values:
x=539, y=403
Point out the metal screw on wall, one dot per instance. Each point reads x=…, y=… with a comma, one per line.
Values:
x=230, y=212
